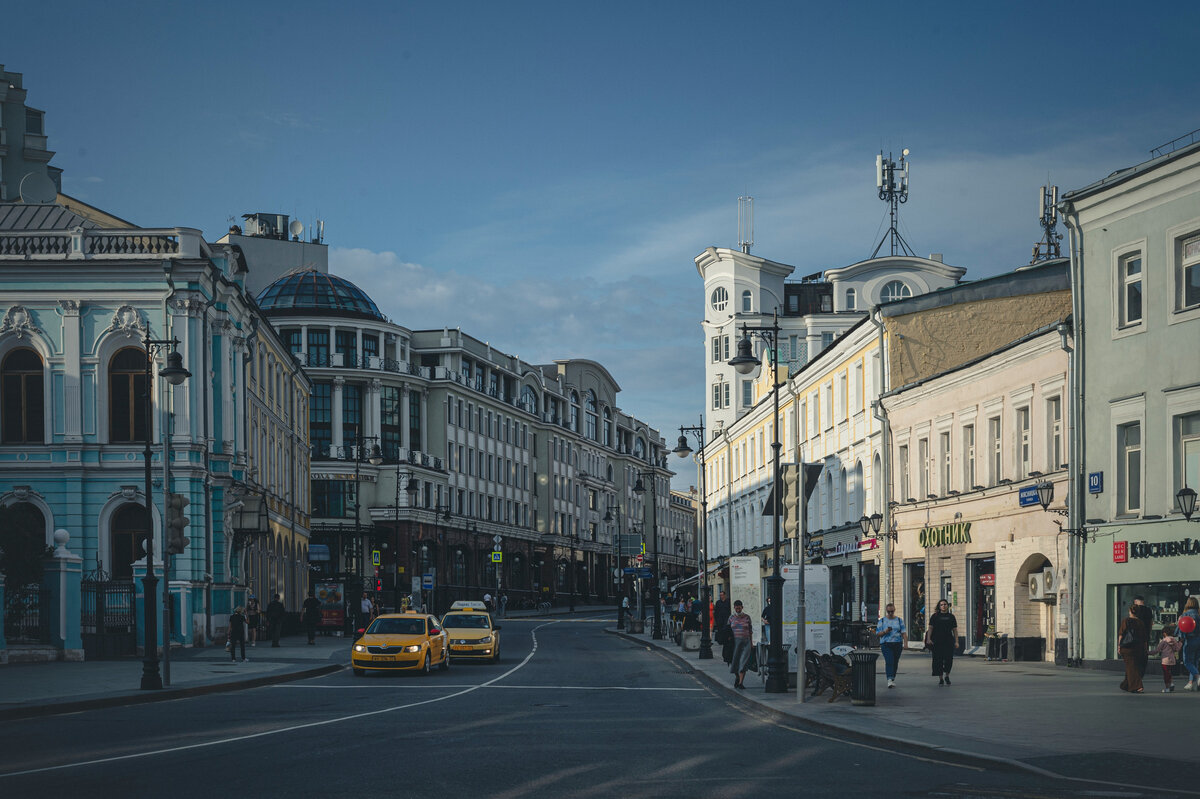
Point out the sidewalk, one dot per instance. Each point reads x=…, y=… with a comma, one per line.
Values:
x=1035, y=717
x=41, y=689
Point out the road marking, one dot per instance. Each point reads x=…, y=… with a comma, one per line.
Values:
x=281, y=730
x=489, y=687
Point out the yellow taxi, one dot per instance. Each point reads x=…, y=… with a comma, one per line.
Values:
x=401, y=641
x=471, y=632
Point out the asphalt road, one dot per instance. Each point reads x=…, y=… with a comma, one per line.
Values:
x=568, y=712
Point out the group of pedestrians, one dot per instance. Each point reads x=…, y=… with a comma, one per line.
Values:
x=245, y=622
x=1180, y=642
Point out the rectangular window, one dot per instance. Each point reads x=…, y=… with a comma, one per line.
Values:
x=716, y=349
x=725, y=346
x=318, y=348
x=841, y=397
x=716, y=396
x=1054, y=436
x=923, y=454
x=1190, y=273
x=968, y=440
x=1129, y=468
x=1023, y=443
x=1187, y=448
x=347, y=344
x=1131, y=289
x=944, y=456
x=747, y=393
x=994, y=449
x=389, y=399
x=34, y=122
x=725, y=395
x=903, y=458
x=320, y=419
x=826, y=339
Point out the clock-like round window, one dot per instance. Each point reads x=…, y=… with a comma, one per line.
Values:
x=720, y=298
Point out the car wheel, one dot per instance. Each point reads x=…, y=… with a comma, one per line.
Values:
x=359, y=672
x=425, y=669
x=496, y=656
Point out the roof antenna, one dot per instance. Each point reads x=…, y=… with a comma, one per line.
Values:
x=1047, y=248
x=745, y=223
x=894, y=192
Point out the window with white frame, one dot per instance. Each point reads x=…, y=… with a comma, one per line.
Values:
x=802, y=419
x=1129, y=303
x=716, y=349
x=747, y=393
x=1023, y=443
x=719, y=298
x=968, y=441
x=1187, y=451
x=1129, y=468
x=827, y=403
x=923, y=475
x=720, y=395
x=902, y=457
x=747, y=302
x=994, y=449
x=1188, y=273
x=894, y=290
x=856, y=388
x=851, y=300
x=841, y=399
x=1054, y=434
x=944, y=459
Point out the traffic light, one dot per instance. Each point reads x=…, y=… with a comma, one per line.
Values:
x=177, y=521
x=789, y=490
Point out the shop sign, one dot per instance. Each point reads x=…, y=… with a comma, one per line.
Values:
x=1028, y=496
x=1157, y=549
x=343, y=476
x=946, y=535
x=987, y=579
x=850, y=547
x=1120, y=551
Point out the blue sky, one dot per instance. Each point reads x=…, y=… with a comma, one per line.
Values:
x=543, y=174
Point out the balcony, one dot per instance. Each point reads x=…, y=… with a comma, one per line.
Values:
x=83, y=244
x=35, y=148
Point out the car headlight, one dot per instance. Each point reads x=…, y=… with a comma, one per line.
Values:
x=487, y=639
x=413, y=648
x=359, y=648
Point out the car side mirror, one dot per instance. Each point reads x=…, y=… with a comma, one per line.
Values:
x=496, y=628
x=359, y=633
x=435, y=631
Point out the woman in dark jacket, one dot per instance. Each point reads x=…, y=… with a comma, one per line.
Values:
x=941, y=635
x=237, y=633
x=1131, y=647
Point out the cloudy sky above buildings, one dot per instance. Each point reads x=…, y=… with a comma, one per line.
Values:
x=543, y=174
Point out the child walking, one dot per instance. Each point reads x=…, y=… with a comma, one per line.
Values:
x=1168, y=649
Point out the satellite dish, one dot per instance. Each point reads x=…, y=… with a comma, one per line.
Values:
x=296, y=228
x=38, y=189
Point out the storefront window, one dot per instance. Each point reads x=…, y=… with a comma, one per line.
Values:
x=868, y=575
x=841, y=591
x=1165, y=600
x=983, y=599
x=914, y=580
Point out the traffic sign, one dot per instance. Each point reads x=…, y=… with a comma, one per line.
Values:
x=496, y=548
x=375, y=557
x=640, y=558
x=427, y=580
x=497, y=557
x=497, y=539
x=642, y=574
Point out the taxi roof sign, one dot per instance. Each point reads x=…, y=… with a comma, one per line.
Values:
x=468, y=604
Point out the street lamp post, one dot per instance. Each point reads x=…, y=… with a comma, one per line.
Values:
x=618, y=570
x=745, y=363
x=639, y=489
x=375, y=458
x=683, y=450
x=410, y=488
x=174, y=373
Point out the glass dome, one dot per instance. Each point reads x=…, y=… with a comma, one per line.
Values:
x=311, y=290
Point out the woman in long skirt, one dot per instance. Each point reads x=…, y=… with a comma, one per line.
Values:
x=742, y=627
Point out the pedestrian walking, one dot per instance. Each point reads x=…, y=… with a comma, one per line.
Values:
x=721, y=614
x=1131, y=648
x=312, y=615
x=892, y=638
x=237, y=633
x=487, y=601
x=275, y=614
x=503, y=602
x=1168, y=652
x=253, y=619
x=365, y=608
x=941, y=635
x=1189, y=633
x=742, y=627
x=1146, y=616
x=767, y=615
x=624, y=607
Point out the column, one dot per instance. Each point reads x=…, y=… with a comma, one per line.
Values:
x=72, y=394
x=62, y=574
x=424, y=421
x=374, y=409
x=239, y=397
x=304, y=346
x=338, y=383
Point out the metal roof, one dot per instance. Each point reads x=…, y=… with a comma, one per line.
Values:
x=27, y=216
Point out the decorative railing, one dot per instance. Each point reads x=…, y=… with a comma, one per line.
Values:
x=83, y=243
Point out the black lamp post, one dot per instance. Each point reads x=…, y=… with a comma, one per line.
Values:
x=639, y=489
x=618, y=570
x=410, y=488
x=441, y=513
x=683, y=450
x=174, y=373
x=745, y=363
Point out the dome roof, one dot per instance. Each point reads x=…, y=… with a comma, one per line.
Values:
x=307, y=290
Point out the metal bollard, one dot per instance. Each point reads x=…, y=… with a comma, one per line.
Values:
x=862, y=689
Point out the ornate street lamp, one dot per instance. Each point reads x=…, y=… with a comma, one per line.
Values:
x=174, y=373
x=683, y=450
x=639, y=489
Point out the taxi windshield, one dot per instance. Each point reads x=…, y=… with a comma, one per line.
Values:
x=397, y=627
x=472, y=621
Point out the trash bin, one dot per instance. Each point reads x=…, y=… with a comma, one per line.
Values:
x=862, y=688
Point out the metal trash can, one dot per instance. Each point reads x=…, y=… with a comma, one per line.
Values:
x=862, y=688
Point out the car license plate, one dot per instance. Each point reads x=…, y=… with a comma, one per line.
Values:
x=383, y=657
x=460, y=648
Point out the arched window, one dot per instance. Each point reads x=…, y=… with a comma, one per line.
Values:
x=127, y=540
x=845, y=487
x=22, y=417
x=719, y=299
x=639, y=449
x=859, y=508
x=593, y=421
x=529, y=400
x=876, y=485
x=574, y=423
x=607, y=427
x=747, y=301
x=851, y=300
x=23, y=539
x=895, y=290
x=126, y=395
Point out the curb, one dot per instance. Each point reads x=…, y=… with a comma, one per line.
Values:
x=58, y=708
x=960, y=756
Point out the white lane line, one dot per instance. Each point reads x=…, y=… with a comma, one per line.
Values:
x=487, y=686
x=293, y=728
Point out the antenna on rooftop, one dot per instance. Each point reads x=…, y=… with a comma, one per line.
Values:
x=1047, y=248
x=891, y=178
x=745, y=223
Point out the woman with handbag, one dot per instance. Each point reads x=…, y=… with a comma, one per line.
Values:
x=941, y=635
x=742, y=627
x=1132, y=642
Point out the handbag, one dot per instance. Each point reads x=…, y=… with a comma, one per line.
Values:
x=723, y=635
x=1127, y=639
x=752, y=663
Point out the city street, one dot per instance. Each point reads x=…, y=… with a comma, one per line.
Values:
x=570, y=711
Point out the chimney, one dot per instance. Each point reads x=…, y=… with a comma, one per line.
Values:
x=935, y=256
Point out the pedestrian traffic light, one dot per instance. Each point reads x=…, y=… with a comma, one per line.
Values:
x=177, y=521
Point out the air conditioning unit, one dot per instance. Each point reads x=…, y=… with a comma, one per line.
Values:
x=1049, y=582
x=1037, y=586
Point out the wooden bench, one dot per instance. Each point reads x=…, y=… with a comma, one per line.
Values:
x=826, y=671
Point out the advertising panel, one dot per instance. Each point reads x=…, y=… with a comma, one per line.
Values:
x=816, y=609
x=745, y=584
x=332, y=597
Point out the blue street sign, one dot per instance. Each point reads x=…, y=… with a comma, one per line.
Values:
x=641, y=574
x=1095, y=483
x=427, y=580
x=1028, y=496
